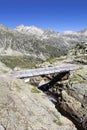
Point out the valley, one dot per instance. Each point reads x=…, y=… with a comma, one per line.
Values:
x=24, y=103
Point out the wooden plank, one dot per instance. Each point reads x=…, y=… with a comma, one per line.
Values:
x=43, y=71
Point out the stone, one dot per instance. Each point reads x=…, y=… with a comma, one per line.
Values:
x=1, y=127
x=42, y=82
x=22, y=107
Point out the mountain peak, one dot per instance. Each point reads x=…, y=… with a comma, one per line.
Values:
x=29, y=30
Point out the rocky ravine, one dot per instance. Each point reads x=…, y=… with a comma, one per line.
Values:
x=75, y=95
x=24, y=107
x=68, y=95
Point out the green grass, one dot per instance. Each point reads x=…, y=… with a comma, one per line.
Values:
x=53, y=112
x=79, y=79
x=55, y=59
x=17, y=87
x=59, y=123
x=35, y=90
x=79, y=75
x=20, y=61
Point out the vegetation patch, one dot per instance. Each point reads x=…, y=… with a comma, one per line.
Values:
x=53, y=60
x=18, y=87
x=35, y=90
x=79, y=79
x=76, y=78
x=20, y=61
x=57, y=122
x=80, y=75
x=54, y=113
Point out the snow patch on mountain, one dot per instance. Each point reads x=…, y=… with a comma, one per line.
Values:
x=30, y=30
x=70, y=33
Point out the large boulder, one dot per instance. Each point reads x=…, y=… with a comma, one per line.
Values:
x=74, y=98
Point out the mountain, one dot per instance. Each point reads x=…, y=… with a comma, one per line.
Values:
x=30, y=30
x=33, y=41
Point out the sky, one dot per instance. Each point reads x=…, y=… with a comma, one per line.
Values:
x=59, y=15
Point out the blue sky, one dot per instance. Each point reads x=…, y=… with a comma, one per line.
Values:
x=59, y=15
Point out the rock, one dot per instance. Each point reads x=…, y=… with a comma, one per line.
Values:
x=70, y=101
x=23, y=106
x=42, y=82
x=26, y=80
x=74, y=98
x=1, y=127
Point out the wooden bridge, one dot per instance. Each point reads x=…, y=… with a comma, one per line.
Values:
x=43, y=71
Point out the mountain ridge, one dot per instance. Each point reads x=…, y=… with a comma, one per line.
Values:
x=30, y=40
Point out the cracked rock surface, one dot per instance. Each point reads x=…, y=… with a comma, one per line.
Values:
x=24, y=107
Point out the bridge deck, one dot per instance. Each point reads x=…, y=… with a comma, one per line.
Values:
x=43, y=71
